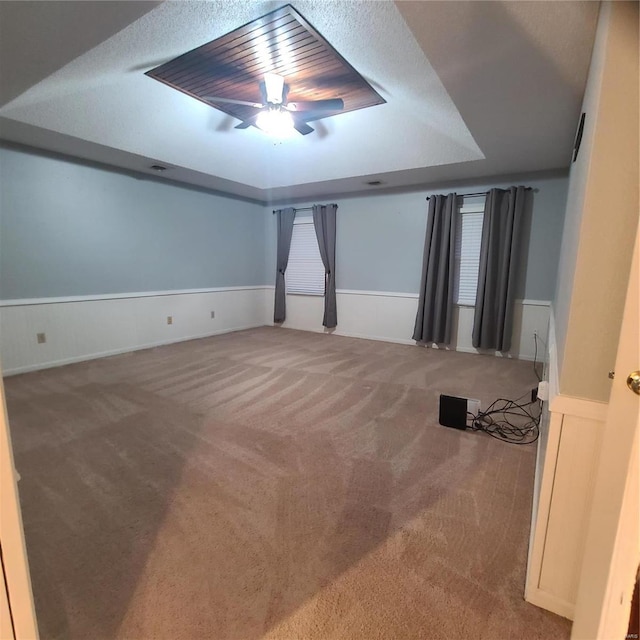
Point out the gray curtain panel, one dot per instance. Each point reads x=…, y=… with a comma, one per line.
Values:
x=324, y=222
x=435, y=306
x=499, y=258
x=285, y=230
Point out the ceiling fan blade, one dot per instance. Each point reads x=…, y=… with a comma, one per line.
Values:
x=274, y=88
x=330, y=82
x=303, y=128
x=244, y=103
x=300, y=126
x=334, y=104
x=245, y=124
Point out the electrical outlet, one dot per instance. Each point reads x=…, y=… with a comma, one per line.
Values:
x=169, y=319
x=41, y=338
x=213, y=315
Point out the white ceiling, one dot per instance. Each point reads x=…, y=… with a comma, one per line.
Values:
x=473, y=89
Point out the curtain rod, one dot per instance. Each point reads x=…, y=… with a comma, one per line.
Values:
x=479, y=193
x=302, y=209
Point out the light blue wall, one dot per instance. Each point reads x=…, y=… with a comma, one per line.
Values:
x=68, y=229
x=538, y=276
x=380, y=238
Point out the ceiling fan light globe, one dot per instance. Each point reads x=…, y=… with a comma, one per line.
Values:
x=276, y=122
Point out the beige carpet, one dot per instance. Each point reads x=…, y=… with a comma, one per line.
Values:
x=274, y=484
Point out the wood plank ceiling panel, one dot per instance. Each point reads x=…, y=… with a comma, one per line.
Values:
x=281, y=42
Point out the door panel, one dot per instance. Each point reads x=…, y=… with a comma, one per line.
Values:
x=613, y=540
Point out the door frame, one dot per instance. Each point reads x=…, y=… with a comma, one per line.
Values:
x=14, y=554
x=612, y=550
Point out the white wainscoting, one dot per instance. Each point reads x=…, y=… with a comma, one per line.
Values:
x=86, y=327
x=565, y=472
x=390, y=317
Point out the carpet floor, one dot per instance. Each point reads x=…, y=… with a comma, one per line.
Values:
x=276, y=485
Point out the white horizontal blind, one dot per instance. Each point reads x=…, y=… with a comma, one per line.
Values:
x=467, y=259
x=305, y=271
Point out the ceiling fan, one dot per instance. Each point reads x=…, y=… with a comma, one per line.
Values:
x=276, y=115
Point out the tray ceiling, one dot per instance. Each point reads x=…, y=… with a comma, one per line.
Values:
x=471, y=89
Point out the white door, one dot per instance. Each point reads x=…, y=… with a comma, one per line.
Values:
x=16, y=583
x=612, y=551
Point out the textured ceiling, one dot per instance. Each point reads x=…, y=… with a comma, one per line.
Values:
x=472, y=89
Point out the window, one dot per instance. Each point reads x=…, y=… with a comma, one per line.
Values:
x=305, y=271
x=467, y=259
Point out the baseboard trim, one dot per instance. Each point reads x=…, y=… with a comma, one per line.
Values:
x=488, y=352
x=346, y=334
x=377, y=338
x=349, y=334
x=115, y=352
x=548, y=601
x=496, y=354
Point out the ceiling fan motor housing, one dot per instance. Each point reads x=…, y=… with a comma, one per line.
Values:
x=273, y=88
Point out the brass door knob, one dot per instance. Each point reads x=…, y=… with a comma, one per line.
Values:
x=633, y=382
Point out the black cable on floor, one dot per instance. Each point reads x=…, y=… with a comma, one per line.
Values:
x=509, y=420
